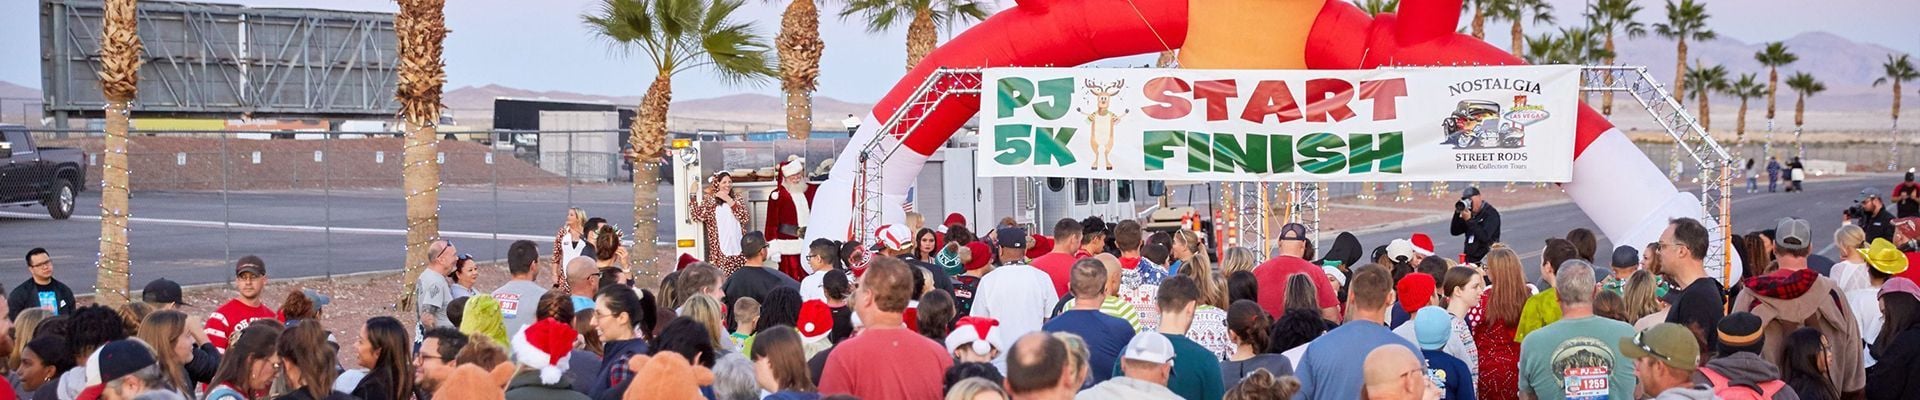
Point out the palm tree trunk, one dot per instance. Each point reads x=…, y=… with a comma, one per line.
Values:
x=1799, y=120
x=1479, y=20
x=1606, y=98
x=648, y=136
x=421, y=30
x=1894, y=162
x=1773, y=86
x=922, y=37
x=1519, y=39
x=800, y=47
x=1740, y=130
x=120, y=50
x=1706, y=120
x=1680, y=68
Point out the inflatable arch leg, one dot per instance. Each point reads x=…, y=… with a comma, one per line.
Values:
x=1613, y=182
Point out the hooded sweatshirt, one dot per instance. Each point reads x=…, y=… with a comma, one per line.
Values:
x=1695, y=392
x=1346, y=249
x=1789, y=299
x=526, y=385
x=1748, y=370
x=613, y=368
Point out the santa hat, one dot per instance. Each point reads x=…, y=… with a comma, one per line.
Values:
x=685, y=260
x=816, y=320
x=1422, y=244
x=980, y=332
x=793, y=166
x=1039, y=246
x=545, y=346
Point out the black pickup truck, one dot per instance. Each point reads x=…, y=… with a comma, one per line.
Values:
x=38, y=176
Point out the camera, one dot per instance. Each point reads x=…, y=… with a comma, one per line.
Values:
x=1462, y=205
x=1857, y=211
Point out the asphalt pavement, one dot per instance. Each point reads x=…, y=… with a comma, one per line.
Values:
x=192, y=237
x=1527, y=230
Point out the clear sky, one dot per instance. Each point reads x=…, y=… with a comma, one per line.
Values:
x=541, y=44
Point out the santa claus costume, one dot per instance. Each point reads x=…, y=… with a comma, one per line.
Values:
x=788, y=207
x=722, y=222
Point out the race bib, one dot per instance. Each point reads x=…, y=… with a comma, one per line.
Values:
x=1585, y=366
x=509, y=304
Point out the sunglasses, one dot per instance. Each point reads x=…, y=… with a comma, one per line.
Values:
x=1649, y=349
x=466, y=257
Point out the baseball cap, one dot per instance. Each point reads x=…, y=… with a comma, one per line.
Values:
x=320, y=301
x=1793, y=234
x=1625, y=256
x=1432, y=325
x=1882, y=255
x=250, y=263
x=1293, y=231
x=1867, y=193
x=753, y=242
x=1150, y=347
x=1668, y=342
x=1422, y=244
x=1012, y=238
x=1900, y=285
x=162, y=291
x=1469, y=192
x=1739, y=331
x=893, y=237
x=123, y=357
x=1400, y=250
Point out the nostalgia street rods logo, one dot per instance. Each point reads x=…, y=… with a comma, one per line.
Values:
x=1485, y=134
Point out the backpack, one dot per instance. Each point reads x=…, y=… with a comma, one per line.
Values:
x=1720, y=388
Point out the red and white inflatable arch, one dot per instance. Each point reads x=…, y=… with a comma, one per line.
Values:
x=1613, y=181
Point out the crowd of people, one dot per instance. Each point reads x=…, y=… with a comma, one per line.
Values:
x=1091, y=309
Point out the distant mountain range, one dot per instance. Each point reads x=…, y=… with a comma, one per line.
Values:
x=1848, y=68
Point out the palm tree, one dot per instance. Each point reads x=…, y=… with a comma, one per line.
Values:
x=1774, y=56
x=420, y=28
x=1807, y=87
x=1746, y=87
x=120, y=61
x=1613, y=17
x=1686, y=20
x=1568, y=46
x=1517, y=12
x=1898, y=70
x=1706, y=81
x=675, y=36
x=1377, y=7
x=799, y=47
x=927, y=16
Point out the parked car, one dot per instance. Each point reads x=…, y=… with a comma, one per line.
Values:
x=39, y=176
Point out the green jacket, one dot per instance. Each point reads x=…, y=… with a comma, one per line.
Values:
x=526, y=385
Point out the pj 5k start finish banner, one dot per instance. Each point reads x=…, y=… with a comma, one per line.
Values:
x=1406, y=124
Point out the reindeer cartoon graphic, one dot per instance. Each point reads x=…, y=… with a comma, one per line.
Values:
x=1102, y=120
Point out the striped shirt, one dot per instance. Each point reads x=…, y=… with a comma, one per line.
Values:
x=1122, y=310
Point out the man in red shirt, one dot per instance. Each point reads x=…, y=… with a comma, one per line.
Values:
x=1058, y=264
x=885, y=360
x=1272, y=275
x=250, y=278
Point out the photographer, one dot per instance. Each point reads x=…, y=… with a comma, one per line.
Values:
x=1870, y=213
x=1906, y=198
x=1478, y=221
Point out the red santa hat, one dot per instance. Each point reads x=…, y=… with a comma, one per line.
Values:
x=816, y=320
x=1422, y=244
x=793, y=166
x=545, y=346
x=1040, y=246
x=954, y=219
x=982, y=333
x=981, y=255
x=685, y=260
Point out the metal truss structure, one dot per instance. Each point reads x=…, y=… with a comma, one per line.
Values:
x=222, y=60
x=1714, y=164
x=1251, y=206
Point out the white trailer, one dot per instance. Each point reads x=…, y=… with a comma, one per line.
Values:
x=586, y=147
